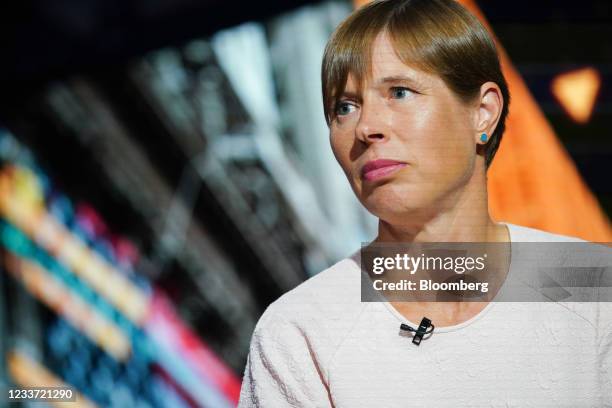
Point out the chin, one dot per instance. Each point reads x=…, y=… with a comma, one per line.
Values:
x=393, y=203
x=390, y=208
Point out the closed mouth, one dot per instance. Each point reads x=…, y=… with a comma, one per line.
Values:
x=377, y=169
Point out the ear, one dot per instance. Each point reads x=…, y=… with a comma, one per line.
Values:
x=488, y=110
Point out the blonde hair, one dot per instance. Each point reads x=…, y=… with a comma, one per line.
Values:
x=436, y=36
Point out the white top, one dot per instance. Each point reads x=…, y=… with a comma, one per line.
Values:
x=318, y=345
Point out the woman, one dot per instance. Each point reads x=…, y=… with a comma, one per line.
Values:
x=416, y=103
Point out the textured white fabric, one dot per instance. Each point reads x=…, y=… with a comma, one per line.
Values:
x=318, y=345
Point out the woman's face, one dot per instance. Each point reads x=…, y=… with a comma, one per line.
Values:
x=406, y=115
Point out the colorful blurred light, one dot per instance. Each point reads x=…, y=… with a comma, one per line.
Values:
x=577, y=91
x=27, y=372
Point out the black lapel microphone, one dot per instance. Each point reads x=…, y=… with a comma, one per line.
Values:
x=421, y=331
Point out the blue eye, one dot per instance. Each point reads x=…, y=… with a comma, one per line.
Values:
x=343, y=108
x=400, y=92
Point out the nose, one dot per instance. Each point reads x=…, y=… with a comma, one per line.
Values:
x=371, y=127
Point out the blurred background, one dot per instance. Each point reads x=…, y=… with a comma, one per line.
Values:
x=165, y=174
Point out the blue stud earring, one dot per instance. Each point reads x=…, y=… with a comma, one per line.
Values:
x=483, y=137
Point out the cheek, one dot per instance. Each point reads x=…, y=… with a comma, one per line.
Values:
x=442, y=142
x=341, y=146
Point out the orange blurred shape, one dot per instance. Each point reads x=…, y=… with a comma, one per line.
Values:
x=576, y=91
x=533, y=180
x=27, y=372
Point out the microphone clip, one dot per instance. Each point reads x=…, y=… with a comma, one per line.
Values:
x=421, y=331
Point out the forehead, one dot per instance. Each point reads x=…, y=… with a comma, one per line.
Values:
x=385, y=64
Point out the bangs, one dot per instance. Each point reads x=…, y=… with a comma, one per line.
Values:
x=350, y=54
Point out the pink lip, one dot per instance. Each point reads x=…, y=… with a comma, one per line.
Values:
x=375, y=169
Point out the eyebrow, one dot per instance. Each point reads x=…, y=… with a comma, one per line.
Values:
x=398, y=78
x=393, y=79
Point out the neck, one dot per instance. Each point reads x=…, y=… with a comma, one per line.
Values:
x=461, y=216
